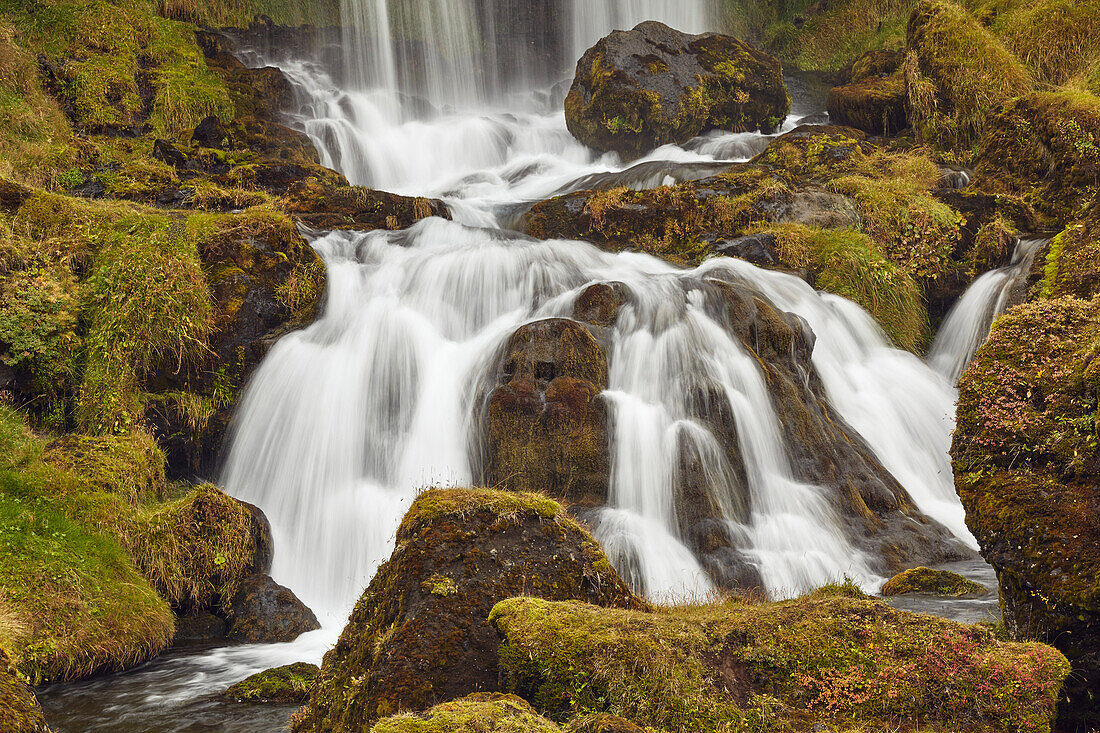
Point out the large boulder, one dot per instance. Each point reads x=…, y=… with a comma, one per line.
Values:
x=637, y=90
x=419, y=635
x=1027, y=468
x=545, y=422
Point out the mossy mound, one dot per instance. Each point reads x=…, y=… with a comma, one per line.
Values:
x=1045, y=148
x=290, y=683
x=602, y=723
x=958, y=74
x=931, y=582
x=326, y=206
x=637, y=90
x=1056, y=39
x=872, y=96
x=19, y=710
x=1072, y=266
x=546, y=425
x=834, y=655
x=418, y=634
x=1026, y=466
x=483, y=712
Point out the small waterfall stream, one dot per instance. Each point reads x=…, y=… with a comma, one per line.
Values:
x=967, y=325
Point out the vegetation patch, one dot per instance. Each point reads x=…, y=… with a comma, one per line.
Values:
x=931, y=582
x=835, y=655
x=483, y=712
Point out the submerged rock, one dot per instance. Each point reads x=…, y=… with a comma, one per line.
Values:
x=834, y=653
x=637, y=90
x=263, y=612
x=932, y=582
x=418, y=634
x=286, y=684
x=19, y=710
x=482, y=712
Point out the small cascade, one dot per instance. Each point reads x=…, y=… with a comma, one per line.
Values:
x=967, y=325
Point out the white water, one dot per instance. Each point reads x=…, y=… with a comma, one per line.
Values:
x=967, y=325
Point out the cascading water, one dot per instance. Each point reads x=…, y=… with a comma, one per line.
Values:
x=967, y=325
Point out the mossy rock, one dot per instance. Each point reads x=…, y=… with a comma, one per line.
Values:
x=602, y=723
x=418, y=634
x=482, y=712
x=1072, y=266
x=19, y=710
x=1026, y=465
x=835, y=653
x=637, y=90
x=323, y=205
x=958, y=74
x=876, y=105
x=931, y=582
x=1045, y=148
x=287, y=684
x=545, y=423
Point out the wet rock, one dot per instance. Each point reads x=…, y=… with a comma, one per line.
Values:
x=19, y=710
x=264, y=612
x=931, y=582
x=287, y=684
x=323, y=205
x=419, y=635
x=545, y=423
x=478, y=713
x=166, y=152
x=758, y=249
x=637, y=90
x=599, y=304
x=209, y=133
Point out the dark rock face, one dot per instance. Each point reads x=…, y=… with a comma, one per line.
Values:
x=286, y=684
x=199, y=626
x=419, y=634
x=640, y=89
x=1027, y=469
x=263, y=612
x=546, y=425
x=209, y=133
x=19, y=710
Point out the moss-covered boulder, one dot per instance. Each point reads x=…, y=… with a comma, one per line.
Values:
x=931, y=582
x=637, y=90
x=482, y=712
x=1045, y=148
x=602, y=723
x=1026, y=468
x=957, y=73
x=19, y=710
x=835, y=655
x=545, y=422
x=286, y=684
x=418, y=634
x=871, y=95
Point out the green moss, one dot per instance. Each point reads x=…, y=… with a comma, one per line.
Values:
x=934, y=582
x=290, y=683
x=73, y=601
x=241, y=13
x=477, y=713
x=957, y=73
x=835, y=653
x=433, y=504
x=837, y=33
x=847, y=263
x=440, y=585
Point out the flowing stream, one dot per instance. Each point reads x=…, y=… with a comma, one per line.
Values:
x=345, y=421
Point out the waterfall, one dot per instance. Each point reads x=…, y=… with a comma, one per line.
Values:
x=967, y=325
